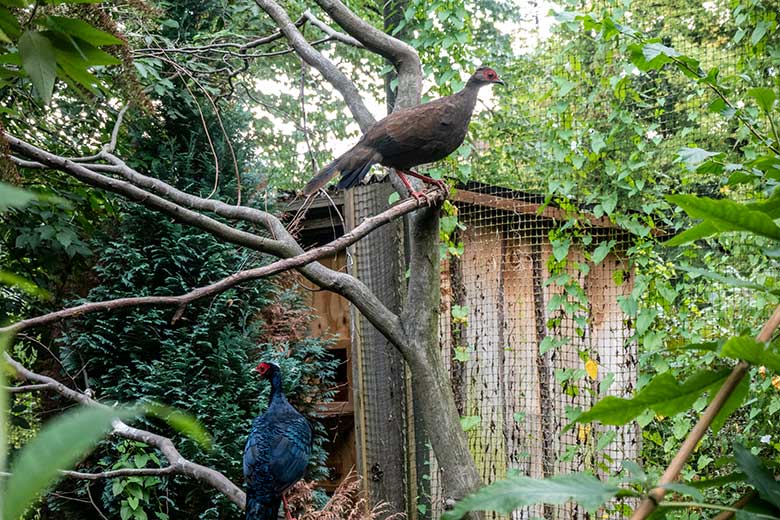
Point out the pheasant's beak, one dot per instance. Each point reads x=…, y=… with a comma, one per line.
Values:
x=500, y=82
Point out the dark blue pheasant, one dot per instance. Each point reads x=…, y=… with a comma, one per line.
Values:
x=276, y=453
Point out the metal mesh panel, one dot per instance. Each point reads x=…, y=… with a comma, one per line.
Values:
x=513, y=394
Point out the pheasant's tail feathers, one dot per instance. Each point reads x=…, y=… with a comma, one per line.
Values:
x=321, y=179
x=351, y=178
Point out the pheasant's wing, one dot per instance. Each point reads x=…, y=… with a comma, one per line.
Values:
x=408, y=130
x=290, y=452
x=256, y=453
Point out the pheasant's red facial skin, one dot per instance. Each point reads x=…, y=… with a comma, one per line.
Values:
x=263, y=369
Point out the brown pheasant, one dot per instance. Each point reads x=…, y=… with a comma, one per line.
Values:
x=409, y=137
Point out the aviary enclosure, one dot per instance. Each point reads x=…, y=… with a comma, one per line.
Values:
x=518, y=364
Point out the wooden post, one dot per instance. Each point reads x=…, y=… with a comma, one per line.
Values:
x=378, y=369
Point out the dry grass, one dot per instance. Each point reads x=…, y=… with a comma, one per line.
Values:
x=347, y=503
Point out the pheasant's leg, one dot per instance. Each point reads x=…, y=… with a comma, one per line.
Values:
x=420, y=196
x=430, y=180
x=286, y=507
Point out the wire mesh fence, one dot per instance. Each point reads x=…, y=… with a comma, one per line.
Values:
x=518, y=358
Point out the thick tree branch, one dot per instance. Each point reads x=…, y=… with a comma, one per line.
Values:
x=180, y=465
x=400, y=54
x=299, y=260
x=327, y=68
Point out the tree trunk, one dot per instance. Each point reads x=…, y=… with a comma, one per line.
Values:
x=429, y=376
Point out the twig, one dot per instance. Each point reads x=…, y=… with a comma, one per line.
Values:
x=89, y=494
x=111, y=146
x=125, y=472
x=26, y=388
x=327, y=29
x=650, y=503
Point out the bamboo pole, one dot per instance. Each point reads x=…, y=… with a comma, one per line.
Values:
x=656, y=495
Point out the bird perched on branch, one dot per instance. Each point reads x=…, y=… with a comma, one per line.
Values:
x=276, y=453
x=409, y=137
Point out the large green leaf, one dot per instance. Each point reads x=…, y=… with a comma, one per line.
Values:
x=504, y=496
x=727, y=215
x=757, y=475
x=181, y=422
x=13, y=197
x=765, y=97
x=734, y=401
x=663, y=394
x=9, y=24
x=81, y=30
x=59, y=445
x=39, y=62
x=750, y=350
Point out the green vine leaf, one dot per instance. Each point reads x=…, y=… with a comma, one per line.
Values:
x=727, y=215
x=38, y=61
x=504, y=496
x=663, y=394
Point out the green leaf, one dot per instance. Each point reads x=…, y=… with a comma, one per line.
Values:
x=601, y=252
x=765, y=97
x=597, y=142
x=759, y=32
x=750, y=350
x=38, y=61
x=9, y=24
x=692, y=157
x=734, y=401
x=663, y=394
x=59, y=445
x=469, y=422
x=393, y=198
x=652, y=50
x=14, y=280
x=81, y=30
x=13, y=197
x=757, y=475
x=181, y=422
x=560, y=249
x=727, y=215
x=504, y=496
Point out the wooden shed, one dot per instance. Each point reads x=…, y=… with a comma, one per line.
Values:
x=526, y=347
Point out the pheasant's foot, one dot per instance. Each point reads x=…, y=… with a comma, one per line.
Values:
x=429, y=180
x=421, y=196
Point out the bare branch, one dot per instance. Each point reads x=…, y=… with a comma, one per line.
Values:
x=299, y=260
x=400, y=54
x=126, y=472
x=111, y=146
x=26, y=388
x=309, y=54
x=327, y=29
x=176, y=461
